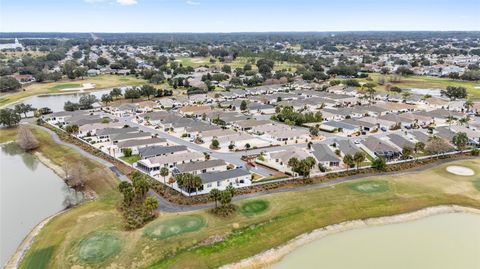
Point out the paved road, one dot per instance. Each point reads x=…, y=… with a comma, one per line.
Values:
x=167, y=206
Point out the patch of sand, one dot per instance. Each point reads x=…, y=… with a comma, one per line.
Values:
x=85, y=86
x=460, y=170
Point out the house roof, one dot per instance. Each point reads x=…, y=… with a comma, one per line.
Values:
x=172, y=158
x=347, y=147
x=323, y=153
x=110, y=131
x=378, y=146
x=195, y=166
x=223, y=175
x=123, y=136
x=160, y=150
x=140, y=142
x=400, y=141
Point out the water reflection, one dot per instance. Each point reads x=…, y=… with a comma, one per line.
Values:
x=29, y=193
x=28, y=159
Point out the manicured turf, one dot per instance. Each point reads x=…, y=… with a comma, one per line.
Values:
x=39, y=259
x=254, y=207
x=369, y=186
x=65, y=86
x=173, y=227
x=131, y=159
x=98, y=247
x=476, y=183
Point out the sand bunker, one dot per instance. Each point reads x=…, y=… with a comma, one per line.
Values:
x=460, y=170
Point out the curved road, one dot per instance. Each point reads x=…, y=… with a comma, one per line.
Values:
x=167, y=206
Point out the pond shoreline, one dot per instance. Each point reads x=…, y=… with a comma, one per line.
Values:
x=272, y=256
x=16, y=258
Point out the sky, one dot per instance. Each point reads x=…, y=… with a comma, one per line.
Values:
x=237, y=15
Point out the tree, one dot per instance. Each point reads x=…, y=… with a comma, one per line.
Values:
x=148, y=90
x=437, y=145
x=460, y=140
x=150, y=204
x=243, y=105
x=450, y=120
x=126, y=189
x=140, y=185
x=225, y=198
x=348, y=160
x=293, y=162
x=106, y=98
x=25, y=138
x=358, y=158
x=75, y=175
x=215, y=195
x=419, y=146
x=102, y=61
x=72, y=128
x=314, y=131
x=227, y=69
x=86, y=101
x=23, y=109
x=379, y=163
x=9, y=117
x=8, y=83
x=164, y=172
x=69, y=106
x=453, y=92
x=115, y=92
x=406, y=152
x=69, y=69
x=215, y=144
x=132, y=94
x=127, y=152
x=468, y=104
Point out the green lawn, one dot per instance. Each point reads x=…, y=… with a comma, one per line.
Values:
x=184, y=240
x=101, y=82
x=426, y=82
x=132, y=159
x=65, y=86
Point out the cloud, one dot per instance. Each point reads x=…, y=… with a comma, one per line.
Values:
x=127, y=2
x=193, y=3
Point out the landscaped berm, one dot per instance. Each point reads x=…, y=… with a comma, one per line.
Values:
x=173, y=227
x=253, y=207
x=98, y=247
x=369, y=186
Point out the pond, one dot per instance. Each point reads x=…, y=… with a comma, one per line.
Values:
x=29, y=193
x=439, y=242
x=56, y=101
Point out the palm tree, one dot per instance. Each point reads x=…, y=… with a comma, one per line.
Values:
x=419, y=146
x=215, y=195
x=464, y=120
x=348, y=160
x=450, y=120
x=164, y=172
x=460, y=140
x=468, y=104
x=358, y=158
x=150, y=204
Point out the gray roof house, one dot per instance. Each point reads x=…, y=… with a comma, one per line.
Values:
x=379, y=148
x=347, y=147
x=153, y=151
x=201, y=167
x=325, y=155
x=400, y=141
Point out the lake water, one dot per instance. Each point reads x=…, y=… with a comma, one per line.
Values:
x=448, y=241
x=29, y=193
x=56, y=102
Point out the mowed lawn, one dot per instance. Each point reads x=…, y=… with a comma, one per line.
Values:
x=239, y=62
x=287, y=215
x=101, y=82
x=426, y=82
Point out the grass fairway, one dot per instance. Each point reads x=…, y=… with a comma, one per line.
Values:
x=254, y=207
x=476, y=183
x=98, y=247
x=101, y=82
x=369, y=186
x=39, y=259
x=174, y=227
x=65, y=86
x=190, y=239
x=426, y=82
